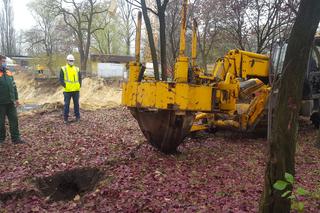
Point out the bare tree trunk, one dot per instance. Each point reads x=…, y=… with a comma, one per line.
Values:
x=163, y=46
x=83, y=63
x=7, y=33
x=128, y=44
x=172, y=30
x=317, y=144
x=174, y=51
x=202, y=47
x=49, y=64
x=285, y=124
x=88, y=43
x=128, y=35
x=205, y=62
x=82, y=51
x=151, y=39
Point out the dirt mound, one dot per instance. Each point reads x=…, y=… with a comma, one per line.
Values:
x=95, y=92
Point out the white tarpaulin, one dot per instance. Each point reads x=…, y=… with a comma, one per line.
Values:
x=110, y=70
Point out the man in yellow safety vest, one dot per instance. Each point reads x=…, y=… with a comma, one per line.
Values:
x=70, y=79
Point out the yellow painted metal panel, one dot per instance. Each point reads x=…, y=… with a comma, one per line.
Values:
x=182, y=96
x=255, y=66
x=146, y=95
x=134, y=71
x=242, y=63
x=198, y=127
x=200, y=97
x=181, y=70
x=131, y=96
x=163, y=95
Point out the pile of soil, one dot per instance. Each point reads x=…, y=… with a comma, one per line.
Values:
x=95, y=92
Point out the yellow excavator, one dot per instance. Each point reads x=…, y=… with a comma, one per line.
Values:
x=232, y=95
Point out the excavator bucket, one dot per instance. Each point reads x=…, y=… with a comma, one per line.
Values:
x=164, y=129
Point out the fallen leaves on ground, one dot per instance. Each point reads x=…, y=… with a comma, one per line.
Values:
x=220, y=172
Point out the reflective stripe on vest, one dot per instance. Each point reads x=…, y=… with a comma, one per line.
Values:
x=71, y=78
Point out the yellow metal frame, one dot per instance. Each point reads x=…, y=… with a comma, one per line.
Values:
x=164, y=95
x=214, y=94
x=241, y=64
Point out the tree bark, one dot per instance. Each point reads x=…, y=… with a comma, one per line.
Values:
x=150, y=39
x=163, y=45
x=285, y=124
x=172, y=27
x=128, y=44
x=317, y=144
x=50, y=63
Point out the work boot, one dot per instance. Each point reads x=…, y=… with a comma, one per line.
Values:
x=18, y=141
x=77, y=119
x=65, y=121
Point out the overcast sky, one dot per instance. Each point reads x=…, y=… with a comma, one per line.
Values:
x=22, y=17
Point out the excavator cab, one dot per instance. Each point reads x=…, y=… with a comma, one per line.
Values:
x=311, y=86
x=313, y=74
x=311, y=89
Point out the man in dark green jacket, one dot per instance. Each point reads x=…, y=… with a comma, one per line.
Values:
x=8, y=103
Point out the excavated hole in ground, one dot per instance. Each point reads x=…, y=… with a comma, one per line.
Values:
x=18, y=194
x=67, y=184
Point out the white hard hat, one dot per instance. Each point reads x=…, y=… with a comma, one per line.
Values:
x=70, y=57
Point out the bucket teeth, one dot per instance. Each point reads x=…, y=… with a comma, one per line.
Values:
x=164, y=129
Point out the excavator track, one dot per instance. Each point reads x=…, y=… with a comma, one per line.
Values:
x=164, y=129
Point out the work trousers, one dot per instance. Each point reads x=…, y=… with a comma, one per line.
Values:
x=75, y=98
x=10, y=111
